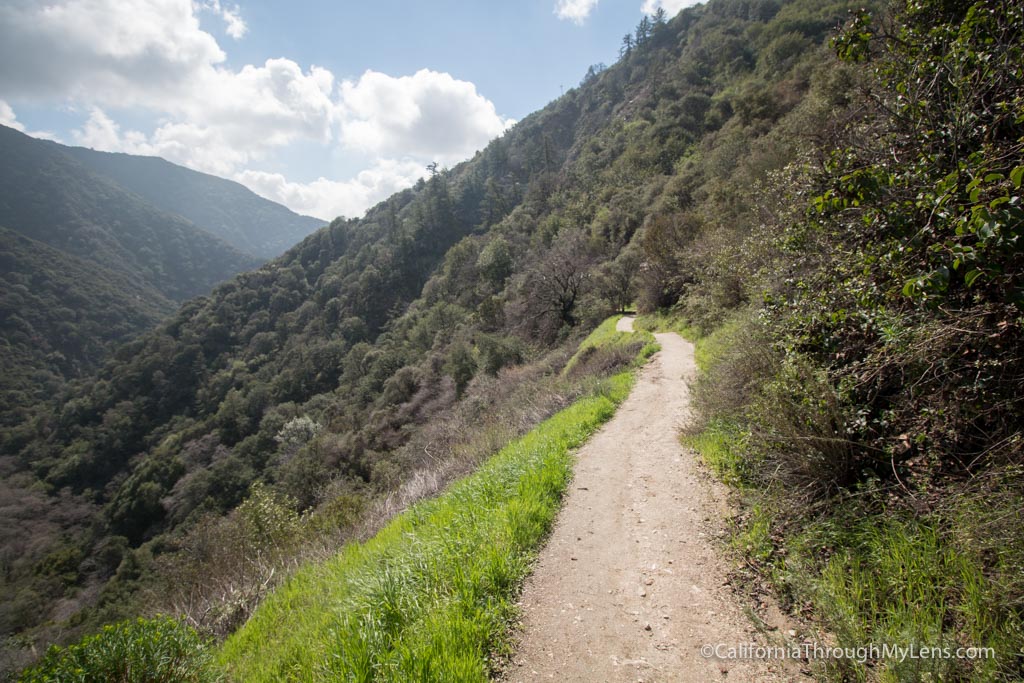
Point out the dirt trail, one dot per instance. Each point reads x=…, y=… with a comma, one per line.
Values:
x=630, y=586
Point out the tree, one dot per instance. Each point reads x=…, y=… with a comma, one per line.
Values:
x=495, y=261
x=461, y=366
x=627, y=45
x=554, y=286
x=615, y=283
x=643, y=32
x=593, y=71
x=295, y=434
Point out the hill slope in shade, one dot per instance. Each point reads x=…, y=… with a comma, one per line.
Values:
x=53, y=199
x=224, y=208
x=60, y=316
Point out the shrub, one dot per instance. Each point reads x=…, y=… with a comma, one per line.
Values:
x=142, y=651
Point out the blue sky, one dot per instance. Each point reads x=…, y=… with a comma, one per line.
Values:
x=325, y=106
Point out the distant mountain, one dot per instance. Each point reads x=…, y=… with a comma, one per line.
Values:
x=60, y=315
x=50, y=197
x=85, y=264
x=232, y=212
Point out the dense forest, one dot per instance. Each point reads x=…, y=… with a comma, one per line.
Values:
x=59, y=318
x=836, y=213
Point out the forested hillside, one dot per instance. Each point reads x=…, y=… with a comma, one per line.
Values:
x=844, y=228
x=53, y=199
x=225, y=209
x=59, y=318
x=87, y=265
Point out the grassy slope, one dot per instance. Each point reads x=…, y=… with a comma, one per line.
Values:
x=431, y=596
x=606, y=336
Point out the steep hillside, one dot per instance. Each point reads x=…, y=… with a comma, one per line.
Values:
x=226, y=209
x=53, y=199
x=60, y=316
x=865, y=360
x=322, y=374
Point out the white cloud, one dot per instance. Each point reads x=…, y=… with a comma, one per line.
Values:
x=426, y=115
x=111, y=51
x=228, y=118
x=7, y=117
x=671, y=7
x=328, y=199
x=104, y=56
x=235, y=25
x=575, y=11
x=206, y=149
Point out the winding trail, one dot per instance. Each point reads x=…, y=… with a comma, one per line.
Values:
x=630, y=586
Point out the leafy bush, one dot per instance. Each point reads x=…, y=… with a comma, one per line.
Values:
x=159, y=650
x=226, y=565
x=875, y=398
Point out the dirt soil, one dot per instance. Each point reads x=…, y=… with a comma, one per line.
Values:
x=631, y=584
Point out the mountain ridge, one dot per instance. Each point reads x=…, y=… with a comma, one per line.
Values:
x=224, y=208
x=53, y=199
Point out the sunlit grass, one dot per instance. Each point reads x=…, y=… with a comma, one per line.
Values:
x=133, y=651
x=664, y=322
x=720, y=446
x=606, y=338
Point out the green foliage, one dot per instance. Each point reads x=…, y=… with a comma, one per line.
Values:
x=61, y=317
x=461, y=365
x=138, y=651
x=872, y=396
x=929, y=216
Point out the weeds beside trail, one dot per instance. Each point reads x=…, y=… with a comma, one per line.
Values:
x=431, y=596
x=854, y=560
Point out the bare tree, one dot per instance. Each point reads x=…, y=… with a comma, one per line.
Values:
x=553, y=287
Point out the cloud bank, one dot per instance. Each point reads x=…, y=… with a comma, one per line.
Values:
x=107, y=56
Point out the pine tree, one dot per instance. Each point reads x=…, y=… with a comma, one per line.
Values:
x=643, y=31
x=627, y=45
